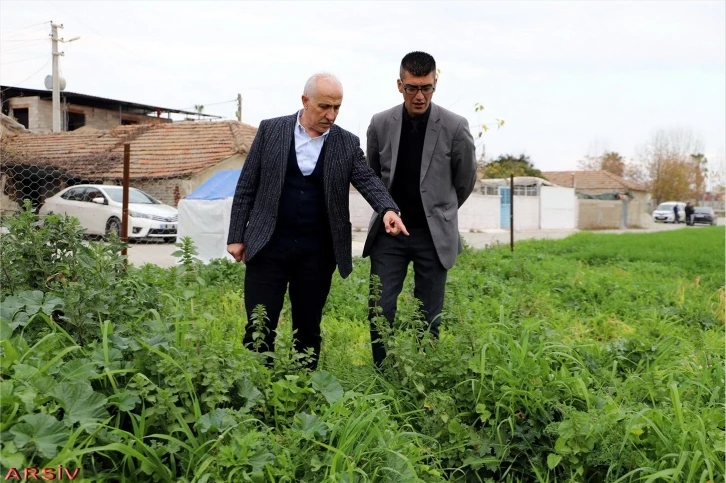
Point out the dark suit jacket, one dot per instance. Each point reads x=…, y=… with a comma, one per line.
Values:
x=447, y=177
x=257, y=197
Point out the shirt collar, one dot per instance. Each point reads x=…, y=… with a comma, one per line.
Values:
x=424, y=118
x=302, y=130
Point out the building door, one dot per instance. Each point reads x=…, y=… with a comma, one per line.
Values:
x=506, y=207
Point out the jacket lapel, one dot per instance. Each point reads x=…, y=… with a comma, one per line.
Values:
x=432, y=135
x=331, y=148
x=288, y=130
x=395, y=124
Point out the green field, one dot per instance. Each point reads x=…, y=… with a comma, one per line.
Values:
x=597, y=358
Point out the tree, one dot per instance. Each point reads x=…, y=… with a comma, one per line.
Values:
x=671, y=171
x=609, y=161
x=199, y=108
x=506, y=165
x=479, y=142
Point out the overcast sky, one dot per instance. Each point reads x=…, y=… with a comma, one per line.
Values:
x=569, y=78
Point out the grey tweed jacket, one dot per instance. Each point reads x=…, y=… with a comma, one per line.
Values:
x=257, y=197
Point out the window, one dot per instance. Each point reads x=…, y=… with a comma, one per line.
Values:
x=491, y=190
x=21, y=115
x=75, y=194
x=76, y=120
x=135, y=196
x=525, y=191
x=91, y=194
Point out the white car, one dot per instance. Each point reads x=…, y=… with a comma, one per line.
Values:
x=98, y=209
x=664, y=212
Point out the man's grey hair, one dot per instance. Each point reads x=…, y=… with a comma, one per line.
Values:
x=311, y=86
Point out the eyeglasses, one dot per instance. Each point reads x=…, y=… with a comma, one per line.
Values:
x=413, y=90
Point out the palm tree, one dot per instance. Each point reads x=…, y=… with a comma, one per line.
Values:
x=199, y=109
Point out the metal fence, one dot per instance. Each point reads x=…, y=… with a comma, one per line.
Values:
x=92, y=191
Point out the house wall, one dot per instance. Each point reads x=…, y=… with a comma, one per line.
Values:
x=233, y=162
x=36, y=113
x=40, y=115
x=171, y=190
x=168, y=191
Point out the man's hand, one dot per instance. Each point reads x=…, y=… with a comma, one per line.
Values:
x=393, y=223
x=237, y=250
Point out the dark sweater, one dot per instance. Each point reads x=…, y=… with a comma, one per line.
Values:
x=406, y=189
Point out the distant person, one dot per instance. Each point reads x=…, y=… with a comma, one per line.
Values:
x=676, y=216
x=689, y=214
x=290, y=219
x=425, y=156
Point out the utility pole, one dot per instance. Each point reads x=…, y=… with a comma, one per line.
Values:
x=56, y=78
x=239, y=107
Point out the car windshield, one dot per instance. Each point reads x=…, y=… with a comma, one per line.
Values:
x=665, y=206
x=135, y=196
x=701, y=209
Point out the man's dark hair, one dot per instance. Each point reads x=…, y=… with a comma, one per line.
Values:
x=418, y=64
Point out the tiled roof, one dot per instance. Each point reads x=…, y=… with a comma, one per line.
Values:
x=157, y=150
x=592, y=180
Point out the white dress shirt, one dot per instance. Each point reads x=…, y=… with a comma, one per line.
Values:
x=307, y=149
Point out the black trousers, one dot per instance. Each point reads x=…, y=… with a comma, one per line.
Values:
x=390, y=257
x=306, y=266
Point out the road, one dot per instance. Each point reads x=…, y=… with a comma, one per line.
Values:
x=161, y=254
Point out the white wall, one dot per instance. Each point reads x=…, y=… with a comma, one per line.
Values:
x=526, y=212
x=479, y=212
x=558, y=208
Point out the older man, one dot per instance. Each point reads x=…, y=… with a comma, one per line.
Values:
x=290, y=217
x=425, y=156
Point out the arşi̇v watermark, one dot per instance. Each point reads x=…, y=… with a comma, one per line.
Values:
x=57, y=473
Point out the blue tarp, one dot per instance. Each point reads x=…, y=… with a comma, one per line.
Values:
x=220, y=186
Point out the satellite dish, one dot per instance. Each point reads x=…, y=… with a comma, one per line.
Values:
x=49, y=82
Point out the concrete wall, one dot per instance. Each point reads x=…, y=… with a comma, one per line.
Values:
x=608, y=214
x=558, y=208
x=526, y=212
x=480, y=212
x=40, y=115
x=36, y=115
x=599, y=214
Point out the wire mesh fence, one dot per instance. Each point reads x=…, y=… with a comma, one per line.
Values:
x=81, y=173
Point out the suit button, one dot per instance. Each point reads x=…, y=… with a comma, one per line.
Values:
x=302, y=192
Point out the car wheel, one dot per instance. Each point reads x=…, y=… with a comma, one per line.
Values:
x=113, y=225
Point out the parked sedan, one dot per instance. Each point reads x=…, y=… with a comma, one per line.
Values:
x=704, y=214
x=664, y=212
x=98, y=209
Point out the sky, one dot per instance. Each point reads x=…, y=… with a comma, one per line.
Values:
x=569, y=78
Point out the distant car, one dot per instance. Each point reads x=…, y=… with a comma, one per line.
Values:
x=98, y=209
x=664, y=212
x=704, y=214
